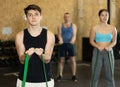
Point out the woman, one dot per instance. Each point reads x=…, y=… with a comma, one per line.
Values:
x=103, y=39
x=35, y=41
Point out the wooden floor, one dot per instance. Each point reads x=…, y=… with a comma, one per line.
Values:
x=8, y=76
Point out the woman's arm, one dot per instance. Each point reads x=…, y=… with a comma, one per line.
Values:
x=114, y=39
x=92, y=37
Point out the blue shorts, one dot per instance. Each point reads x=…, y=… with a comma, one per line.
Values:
x=67, y=49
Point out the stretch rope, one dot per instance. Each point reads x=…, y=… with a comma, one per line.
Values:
x=111, y=65
x=58, y=60
x=110, y=61
x=95, y=67
x=25, y=70
x=45, y=74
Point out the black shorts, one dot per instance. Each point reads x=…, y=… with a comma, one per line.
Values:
x=67, y=49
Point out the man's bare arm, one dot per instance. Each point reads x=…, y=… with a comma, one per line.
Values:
x=74, y=34
x=49, y=47
x=20, y=46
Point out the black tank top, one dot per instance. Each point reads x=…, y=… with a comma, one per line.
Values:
x=35, y=67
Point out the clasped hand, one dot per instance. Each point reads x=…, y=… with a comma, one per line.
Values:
x=32, y=50
x=106, y=48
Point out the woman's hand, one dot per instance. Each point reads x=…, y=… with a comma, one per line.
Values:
x=100, y=48
x=108, y=48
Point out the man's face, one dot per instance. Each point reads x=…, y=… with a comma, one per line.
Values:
x=66, y=17
x=33, y=17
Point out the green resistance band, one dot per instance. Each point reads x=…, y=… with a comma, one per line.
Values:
x=25, y=70
x=110, y=61
x=111, y=65
x=95, y=67
x=58, y=60
x=44, y=70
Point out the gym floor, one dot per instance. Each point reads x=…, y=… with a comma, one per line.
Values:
x=8, y=75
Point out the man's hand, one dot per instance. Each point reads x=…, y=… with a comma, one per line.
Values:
x=30, y=51
x=60, y=42
x=39, y=51
x=72, y=42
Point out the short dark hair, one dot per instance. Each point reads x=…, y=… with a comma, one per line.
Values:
x=102, y=11
x=32, y=7
x=66, y=13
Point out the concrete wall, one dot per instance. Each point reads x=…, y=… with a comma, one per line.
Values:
x=115, y=13
x=84, y=14
x=87, y=17
x=11, y=14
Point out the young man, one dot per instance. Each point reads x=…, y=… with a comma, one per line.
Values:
x=67, y=36
x=35, y=41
